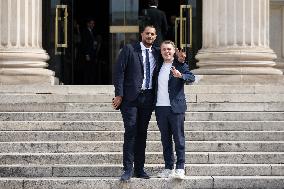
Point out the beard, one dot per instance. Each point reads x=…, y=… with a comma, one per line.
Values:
x=148, y=42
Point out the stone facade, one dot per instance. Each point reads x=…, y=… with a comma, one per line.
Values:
x=236, y=41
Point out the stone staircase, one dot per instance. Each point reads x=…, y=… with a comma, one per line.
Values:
x=69, y=137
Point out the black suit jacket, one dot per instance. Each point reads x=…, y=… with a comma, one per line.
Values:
x=176, y=87
x=88, y=39
x=128, y=71
x=158, y=19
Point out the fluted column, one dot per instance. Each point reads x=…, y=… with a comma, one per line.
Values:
x=22, y=58
x=236, y=38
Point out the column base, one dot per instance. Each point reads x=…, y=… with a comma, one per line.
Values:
x=25, y=66
x=238, y=71
x=27, y=80
x=280, y=66
x=239, y=79
x=237, y=60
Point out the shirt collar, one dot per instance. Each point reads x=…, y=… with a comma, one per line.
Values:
x=143, y=48
x=154, y=6
x=168, y=64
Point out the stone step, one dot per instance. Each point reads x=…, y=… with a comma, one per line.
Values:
x=116, y=116
x=205, y=182
x=106, y=98
x=109, y=170
x=236, y=106
x=8, y=136
x=152, y=146
x=101, y=107
x=235, y=98
x=118, y=125
x=235, y=169
x=109, y=89
x=151, y=158
x=248, y=182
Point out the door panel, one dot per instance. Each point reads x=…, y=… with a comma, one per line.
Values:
x=57, y=32
x=188, y=29
x=123, y=25
x=185, y=27
x=183, y=31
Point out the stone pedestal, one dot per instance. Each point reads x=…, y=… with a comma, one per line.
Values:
x=236, y=39
x=22, y=59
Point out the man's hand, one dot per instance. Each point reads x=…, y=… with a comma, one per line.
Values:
x=176, y=73
x=181, y=55
x=116, y=101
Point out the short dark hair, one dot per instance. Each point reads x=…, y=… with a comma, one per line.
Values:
x=89, y=20
x=153, y=2
x=144, y=27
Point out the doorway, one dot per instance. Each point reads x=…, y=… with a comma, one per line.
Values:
x=94, y=72
x=116, y=22
x=63, y=24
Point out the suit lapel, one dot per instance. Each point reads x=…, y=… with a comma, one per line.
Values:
x=171, y=77
x=156, y=54
x=138, y=51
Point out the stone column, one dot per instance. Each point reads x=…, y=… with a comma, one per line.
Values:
x=236, y=39
x=277, y=31
x=22, y=59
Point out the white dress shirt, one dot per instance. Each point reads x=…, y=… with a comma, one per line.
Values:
x=152, y=65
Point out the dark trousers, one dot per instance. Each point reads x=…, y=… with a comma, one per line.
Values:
x=136, y=116
x=171, y=125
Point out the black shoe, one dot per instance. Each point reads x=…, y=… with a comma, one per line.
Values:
x=141, y=174
x=126, y=176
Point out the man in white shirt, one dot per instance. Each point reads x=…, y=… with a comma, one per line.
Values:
x=170, y=109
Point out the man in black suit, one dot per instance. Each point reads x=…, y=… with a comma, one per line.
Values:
x=134, y=74
x=91, y=43
x=158, y=19
x=134, y=95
